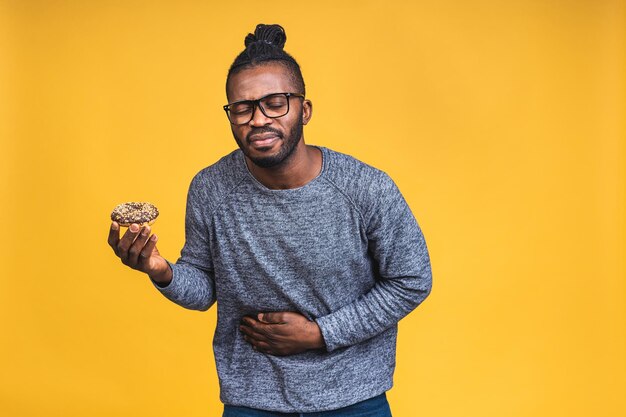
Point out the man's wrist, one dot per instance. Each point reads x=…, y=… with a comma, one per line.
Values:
x=316, y=337
x=164, y=277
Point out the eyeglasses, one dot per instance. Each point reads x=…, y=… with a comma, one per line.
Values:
x=273, y=106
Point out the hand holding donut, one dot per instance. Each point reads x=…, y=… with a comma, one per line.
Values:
x=137, y=249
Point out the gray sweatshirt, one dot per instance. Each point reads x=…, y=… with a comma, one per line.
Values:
x=343, y=250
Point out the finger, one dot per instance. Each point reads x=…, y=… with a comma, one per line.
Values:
x=146, y=252
x=250, y=333
x=124, y=244
x=259, y=345
x=262, y=347
x=253, y=341
x=114, y=236
x=254, y=326
x=251, y=322
x=137, y=246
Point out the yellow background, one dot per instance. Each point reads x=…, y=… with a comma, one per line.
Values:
x=502, y=122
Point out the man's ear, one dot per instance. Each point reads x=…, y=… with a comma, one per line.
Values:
x=307, y=111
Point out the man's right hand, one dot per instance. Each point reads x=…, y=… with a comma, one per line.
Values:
x=137, y=249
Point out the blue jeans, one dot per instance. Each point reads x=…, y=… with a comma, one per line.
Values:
x=374, y=407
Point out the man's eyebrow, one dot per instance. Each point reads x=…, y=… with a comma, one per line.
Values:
x=239, y=101
x=254, y=99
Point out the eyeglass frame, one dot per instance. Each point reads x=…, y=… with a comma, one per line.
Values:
x=257, y=104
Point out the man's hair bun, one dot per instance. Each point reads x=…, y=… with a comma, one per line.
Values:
x=268, y=34
x=266, y=45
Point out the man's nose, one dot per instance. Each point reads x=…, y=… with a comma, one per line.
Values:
x=259, y=118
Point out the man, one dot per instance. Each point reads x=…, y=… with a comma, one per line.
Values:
x=312, y=256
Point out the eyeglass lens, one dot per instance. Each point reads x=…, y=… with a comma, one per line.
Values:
x=275, y=105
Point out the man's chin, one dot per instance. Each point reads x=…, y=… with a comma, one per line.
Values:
x=276, y=153
x=266, y=162
x=266, y=157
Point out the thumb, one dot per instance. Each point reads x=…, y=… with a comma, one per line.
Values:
x=271, y=317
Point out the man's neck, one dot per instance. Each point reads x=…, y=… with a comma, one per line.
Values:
x=301, y=167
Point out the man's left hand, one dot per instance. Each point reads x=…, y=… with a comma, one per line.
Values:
x=281, y=333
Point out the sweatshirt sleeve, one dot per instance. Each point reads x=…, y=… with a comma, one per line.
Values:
x=398, y=248
x=193, y=284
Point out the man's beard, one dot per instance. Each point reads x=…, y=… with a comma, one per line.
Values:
x=290, y=142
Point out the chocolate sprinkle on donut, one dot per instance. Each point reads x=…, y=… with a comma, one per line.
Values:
x=134, y=212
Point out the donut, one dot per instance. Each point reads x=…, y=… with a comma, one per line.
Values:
x=142, y=214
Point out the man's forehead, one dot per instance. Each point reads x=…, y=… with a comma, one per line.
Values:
x=259, y=81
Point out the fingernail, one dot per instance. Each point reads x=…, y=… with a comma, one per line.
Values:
x=134, y=228
x=153, y=238
x=145, y=231
x=115, y=226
